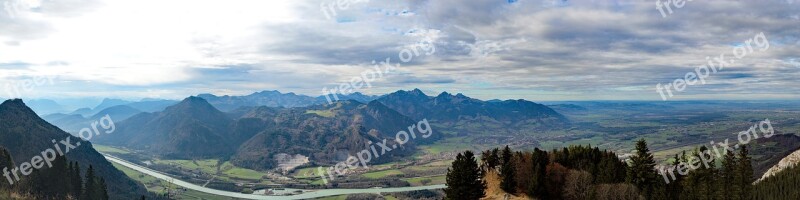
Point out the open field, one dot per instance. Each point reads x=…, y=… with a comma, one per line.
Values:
x=109, y=149
x=417, y=181
x=159, y=186
x=382, y=174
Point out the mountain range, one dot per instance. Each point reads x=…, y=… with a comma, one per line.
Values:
x=255, y=130
x=254, y=135
x=24, y=134
x=117, y=109
x=277, y=99
x=191, y=128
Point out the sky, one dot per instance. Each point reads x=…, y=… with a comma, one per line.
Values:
x=487, y=49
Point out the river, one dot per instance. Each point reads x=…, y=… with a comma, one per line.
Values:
x=307, y=195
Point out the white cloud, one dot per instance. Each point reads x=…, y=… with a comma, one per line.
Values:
x=549, y=49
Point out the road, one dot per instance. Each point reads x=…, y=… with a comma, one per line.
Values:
x=306, y=195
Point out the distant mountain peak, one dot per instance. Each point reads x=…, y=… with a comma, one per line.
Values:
x=417, y=91
x=13, y=102
x=193, y=99
x=274, y=92
x=17, y=105
x=24, y=134
x=192, y=102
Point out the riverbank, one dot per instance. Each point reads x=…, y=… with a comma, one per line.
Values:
x=306, y=195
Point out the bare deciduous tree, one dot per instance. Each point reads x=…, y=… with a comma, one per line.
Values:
x=577, y=185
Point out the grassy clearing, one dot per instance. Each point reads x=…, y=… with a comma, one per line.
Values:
x=448, y=145
x=382, y=174
x=309, y=172
x=387, y=197
x=109, y=149
x=209, y=166
x=433, y=180
x=158, y=186
x=321, y=113
x=325, y=113
x=340, y=197
x=230, y=170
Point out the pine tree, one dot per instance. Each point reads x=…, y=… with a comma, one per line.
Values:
x=490, y=159
x=464, y=179
x=744, y=173
x=641, y=172
x=782, y=185
x=540, y=161
x=495, y=157
x=77, y=182
x=57, y=183
x=103, y=189
x=90, y=187
x=727, y=176
x=708, y=174
x=508, y=182
x=675, y=187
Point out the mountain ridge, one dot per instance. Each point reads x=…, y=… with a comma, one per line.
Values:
x=24, y=134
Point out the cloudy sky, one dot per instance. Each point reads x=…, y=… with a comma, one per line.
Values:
x=504, y=49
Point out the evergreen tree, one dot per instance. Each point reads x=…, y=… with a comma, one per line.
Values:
x=77, y=182
x=708, y=175
x=744, y=173
x=464, y=179
x=508, y=182
x=641, y=172
x=782, y=185
x=495, y=158
x=103, y=189
x=675, y=187
x=57, y=181
x=540, y=161
x=727, y=175
x=48, y=182
x=490, y=158
x=90, y=187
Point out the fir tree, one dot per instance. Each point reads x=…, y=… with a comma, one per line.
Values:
x=77, y=182
x=540, y=161
x=508, y=182
x=727, y=175
x=641, y=172
x=675, y=187
x=464, y=179
x=490, y=159
x=744, y=173
x=103, y=189
x=90, y=187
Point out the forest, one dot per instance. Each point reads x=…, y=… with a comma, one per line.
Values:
x=61, y=181
x=585, y=172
